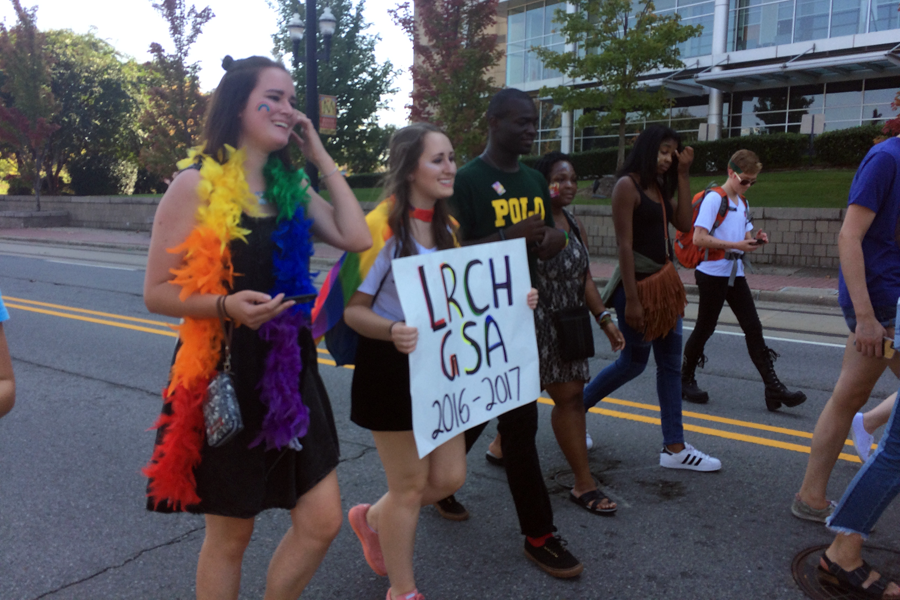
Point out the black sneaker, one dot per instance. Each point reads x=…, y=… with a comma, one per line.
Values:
x=451, y=510
x=553, y=558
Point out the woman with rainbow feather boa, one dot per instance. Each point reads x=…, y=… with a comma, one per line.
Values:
x=232, y=238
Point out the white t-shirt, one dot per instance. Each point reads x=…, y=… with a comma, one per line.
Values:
x=733, y=229
x=387, y=303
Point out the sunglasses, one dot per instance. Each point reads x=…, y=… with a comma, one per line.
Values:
x=745, y=182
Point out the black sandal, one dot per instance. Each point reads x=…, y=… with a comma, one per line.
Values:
x=591, y=501
x=852, y=581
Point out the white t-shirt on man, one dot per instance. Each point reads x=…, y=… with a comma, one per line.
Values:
x=733, y=229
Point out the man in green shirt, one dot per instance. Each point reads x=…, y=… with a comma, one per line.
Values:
x=496, y=197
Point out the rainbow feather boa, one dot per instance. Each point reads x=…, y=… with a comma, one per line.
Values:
x=207, y=269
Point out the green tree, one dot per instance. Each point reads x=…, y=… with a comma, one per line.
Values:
x=27, y=103
x=616, y=43
x=97, y=98
x=454, y=51
x=173, y=119
x=360, y=83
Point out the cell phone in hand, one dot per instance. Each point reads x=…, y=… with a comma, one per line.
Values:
x=758, y=241
x=301, y=299
x=888, y=349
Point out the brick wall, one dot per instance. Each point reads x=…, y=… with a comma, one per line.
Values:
x=797, y=236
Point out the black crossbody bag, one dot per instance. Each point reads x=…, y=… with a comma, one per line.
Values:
x=573, y=325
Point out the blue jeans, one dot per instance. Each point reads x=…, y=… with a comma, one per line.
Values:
x=633, y=360
x=876, y=484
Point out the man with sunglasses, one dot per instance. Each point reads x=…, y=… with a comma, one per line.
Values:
x=722, y=280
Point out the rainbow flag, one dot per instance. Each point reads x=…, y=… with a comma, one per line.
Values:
x=349, y=272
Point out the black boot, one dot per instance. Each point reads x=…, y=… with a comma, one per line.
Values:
x=690, y=391
x=776, y=393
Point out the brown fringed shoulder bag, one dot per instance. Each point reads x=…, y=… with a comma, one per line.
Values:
x=662, y=293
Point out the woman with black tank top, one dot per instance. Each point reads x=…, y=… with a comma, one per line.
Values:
x=656, y=168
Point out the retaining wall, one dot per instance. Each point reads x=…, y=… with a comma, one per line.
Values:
x=97, y=212
x=797, y=236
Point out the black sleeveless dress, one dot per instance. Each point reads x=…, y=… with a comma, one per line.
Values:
x=234, y=480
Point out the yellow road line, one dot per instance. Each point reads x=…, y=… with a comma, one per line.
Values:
x=88, y=312
x=92, y=320
x=14, y=303
x=752, y=439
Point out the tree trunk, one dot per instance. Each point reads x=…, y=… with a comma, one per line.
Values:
x=620, y=159
x=37, y=177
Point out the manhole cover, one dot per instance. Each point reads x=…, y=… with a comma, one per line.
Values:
x=566, y=479
x=805, y=571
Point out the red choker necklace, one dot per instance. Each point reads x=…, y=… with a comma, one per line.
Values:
x=421, y=214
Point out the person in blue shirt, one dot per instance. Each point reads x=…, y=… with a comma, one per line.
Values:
x=7, y=380
x=869, y=287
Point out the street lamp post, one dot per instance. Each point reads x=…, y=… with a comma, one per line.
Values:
x=297, y=29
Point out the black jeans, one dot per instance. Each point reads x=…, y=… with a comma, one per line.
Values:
x=518, y=429
x=714, y=292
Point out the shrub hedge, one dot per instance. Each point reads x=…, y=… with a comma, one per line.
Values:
x=846, y=147
x=842, y=148
x=776, y=151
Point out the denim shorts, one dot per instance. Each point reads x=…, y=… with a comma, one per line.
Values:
x=884, y=314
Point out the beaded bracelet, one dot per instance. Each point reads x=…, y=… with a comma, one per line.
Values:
x=324, y=177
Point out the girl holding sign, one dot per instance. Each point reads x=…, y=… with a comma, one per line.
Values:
x=421, y=172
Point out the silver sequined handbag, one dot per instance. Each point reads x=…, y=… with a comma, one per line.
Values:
x=221, y=411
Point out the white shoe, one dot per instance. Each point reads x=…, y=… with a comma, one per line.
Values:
x=862, y=439
x=689, y=458
x=589, y=441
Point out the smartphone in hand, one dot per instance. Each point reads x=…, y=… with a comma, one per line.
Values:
x=888, y=349
x=758, y=241
x=301, y=299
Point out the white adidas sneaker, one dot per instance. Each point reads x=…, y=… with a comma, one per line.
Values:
x=689, y=458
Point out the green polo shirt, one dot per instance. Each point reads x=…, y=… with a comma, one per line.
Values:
x=486, y=199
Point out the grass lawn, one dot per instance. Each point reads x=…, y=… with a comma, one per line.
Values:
x=826, y=188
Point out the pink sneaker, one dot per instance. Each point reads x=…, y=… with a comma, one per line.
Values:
x=413, y=595
x=368, y=538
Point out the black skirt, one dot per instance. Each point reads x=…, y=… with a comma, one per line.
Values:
x=235, y=480
x=380, y=399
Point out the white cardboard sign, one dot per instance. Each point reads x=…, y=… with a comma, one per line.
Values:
x=476, y=356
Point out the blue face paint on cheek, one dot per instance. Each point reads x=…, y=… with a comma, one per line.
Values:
x=263, y=105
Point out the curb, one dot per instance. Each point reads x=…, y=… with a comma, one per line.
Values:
x=808, y=296
x=131, y=248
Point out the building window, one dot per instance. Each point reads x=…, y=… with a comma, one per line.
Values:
x=692, y=12
x=549, y=127
x=755, y=24
x=529, y=26
x=844, y=104
x=761, y=23
x=884, y=15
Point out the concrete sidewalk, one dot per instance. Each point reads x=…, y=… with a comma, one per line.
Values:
x=801, y=285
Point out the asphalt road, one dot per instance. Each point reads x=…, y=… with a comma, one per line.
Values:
x=90, y=363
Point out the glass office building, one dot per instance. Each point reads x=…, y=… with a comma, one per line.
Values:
x=757, y=67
